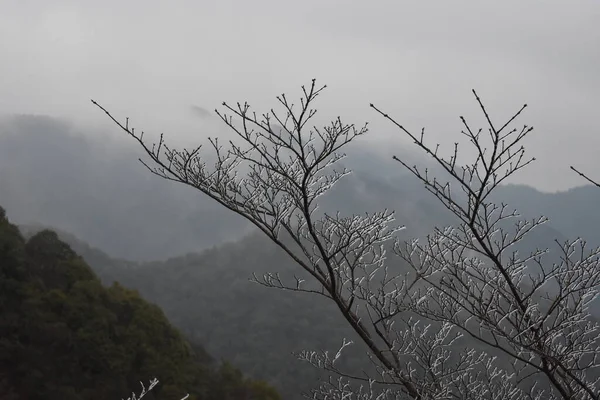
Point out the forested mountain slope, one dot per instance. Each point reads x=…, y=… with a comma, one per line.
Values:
x=63, y=335
x=208, y=296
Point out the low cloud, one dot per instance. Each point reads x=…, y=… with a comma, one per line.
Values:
x=200, y=112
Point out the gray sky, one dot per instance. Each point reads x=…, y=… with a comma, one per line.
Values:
x=164, y=63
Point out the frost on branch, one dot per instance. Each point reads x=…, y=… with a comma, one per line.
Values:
x=531, y=310
x=430, y=330
x=153, y=383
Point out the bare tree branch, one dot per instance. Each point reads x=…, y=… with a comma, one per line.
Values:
x=464, y=282
x=586, y=177
x=478, y=282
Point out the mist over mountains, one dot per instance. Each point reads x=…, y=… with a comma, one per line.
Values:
x=192, y=257
x=53, y=175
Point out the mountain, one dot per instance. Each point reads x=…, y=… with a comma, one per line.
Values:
x=208, y=296
x=63, y=335
x=204, y=254
x=99, y=191
x=95, y=188
x=574, y=212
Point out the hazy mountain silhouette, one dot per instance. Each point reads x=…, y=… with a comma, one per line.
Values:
x=52, y=175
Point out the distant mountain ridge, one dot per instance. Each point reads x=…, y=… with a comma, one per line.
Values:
x=100, y=193
x=574, y=212
x=103, y=194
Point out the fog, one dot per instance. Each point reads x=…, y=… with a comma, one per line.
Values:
x=167, y=65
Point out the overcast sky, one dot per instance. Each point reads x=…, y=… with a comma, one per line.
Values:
x=168, y=64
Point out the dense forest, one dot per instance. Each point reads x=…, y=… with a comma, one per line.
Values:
x=63, y=335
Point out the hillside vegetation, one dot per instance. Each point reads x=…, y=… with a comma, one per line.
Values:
x=63, y=335
x=209, y=297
